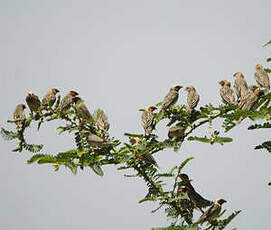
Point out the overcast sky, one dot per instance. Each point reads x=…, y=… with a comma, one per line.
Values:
x=121, y=56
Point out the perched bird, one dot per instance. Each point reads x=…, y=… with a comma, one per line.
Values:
x=102, y=122
x=192, y=98
x=262, y=77
x=227, y=93
x=66, y=102
x=147, y=157
x=249, y=101
x=82, y=109
x=212, y=212
x=135, y=141
x=33, y=102
x=49, y=98
x=240, y=85
x=176, y=132
x=96, y=141
x=185, y=202
x=198, y=201
x=171, y=98
x=19, y=115
x=147, y=119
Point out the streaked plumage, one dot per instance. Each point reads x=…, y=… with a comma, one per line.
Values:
x=240, y=85
x=262, y=77
x=102, y=122
x=19, y=114
x=192, y=98
x=249, y=101
x=171, y=98
x=33, y=102
x=227, y=93
x=147, y=119
x=147, y=157
x=212, y=212
x=185, y=202
x=96, y=141
x=66, y=102
x=82, y=109
x=49, y=98
x=198, y=201
x=176, y=132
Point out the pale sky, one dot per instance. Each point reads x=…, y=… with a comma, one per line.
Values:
x=121, y=56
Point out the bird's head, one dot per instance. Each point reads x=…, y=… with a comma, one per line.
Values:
x=258, y=67
x=189, y=89
x=134, y=140
x=184, y=177
x=151, y=108
x=85, y=133
x=30, y=93
x=22, y=106
x=222, y=83
x=73, y=93
x=76, y=99
x=176, y=87
x=238, y=74
x=54, y=90
x=220, y=201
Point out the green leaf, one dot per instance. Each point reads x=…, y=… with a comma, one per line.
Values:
x=97, y=169
x=8, y=135
x=185, y=162
x=133, y=135
x=200, y=139
x=268, y=59
x=35, y=158
x=266, y=44
x=267, y=70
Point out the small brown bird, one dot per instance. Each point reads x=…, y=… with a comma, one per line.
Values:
x=198, y=201
x=250, y=101
x=19, y=115
x=135, y=141
x=147, y=119
x=227, y=93
x=240, y=85
x=147, y=157
x=176, y=132
x=262, y=77
x=33, y=102
x=192, y=98
x=96, y=141
x=49, y=98
x=212, y=212
x=172, y=97
x=82, y=109
x=185, y=202
x=66, y=102
x=102, y=122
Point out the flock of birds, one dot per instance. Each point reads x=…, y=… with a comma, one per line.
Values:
x=246, y=98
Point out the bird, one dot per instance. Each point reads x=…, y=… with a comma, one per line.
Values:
x=66, y=102
x=82, y=110
x=192, y=98
x=227, y=93
x=250, y=101
x=147, y=157
x=185, y=202
x=33, y=102
x=49, y=98
x=211, y=213
x=198, y=201
x=240, y=85
x=102, y=122
x=19, y=115
x=171, y=97
x=262, y=77
x=96, y=141
x=147, y=119
x=176, y=132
